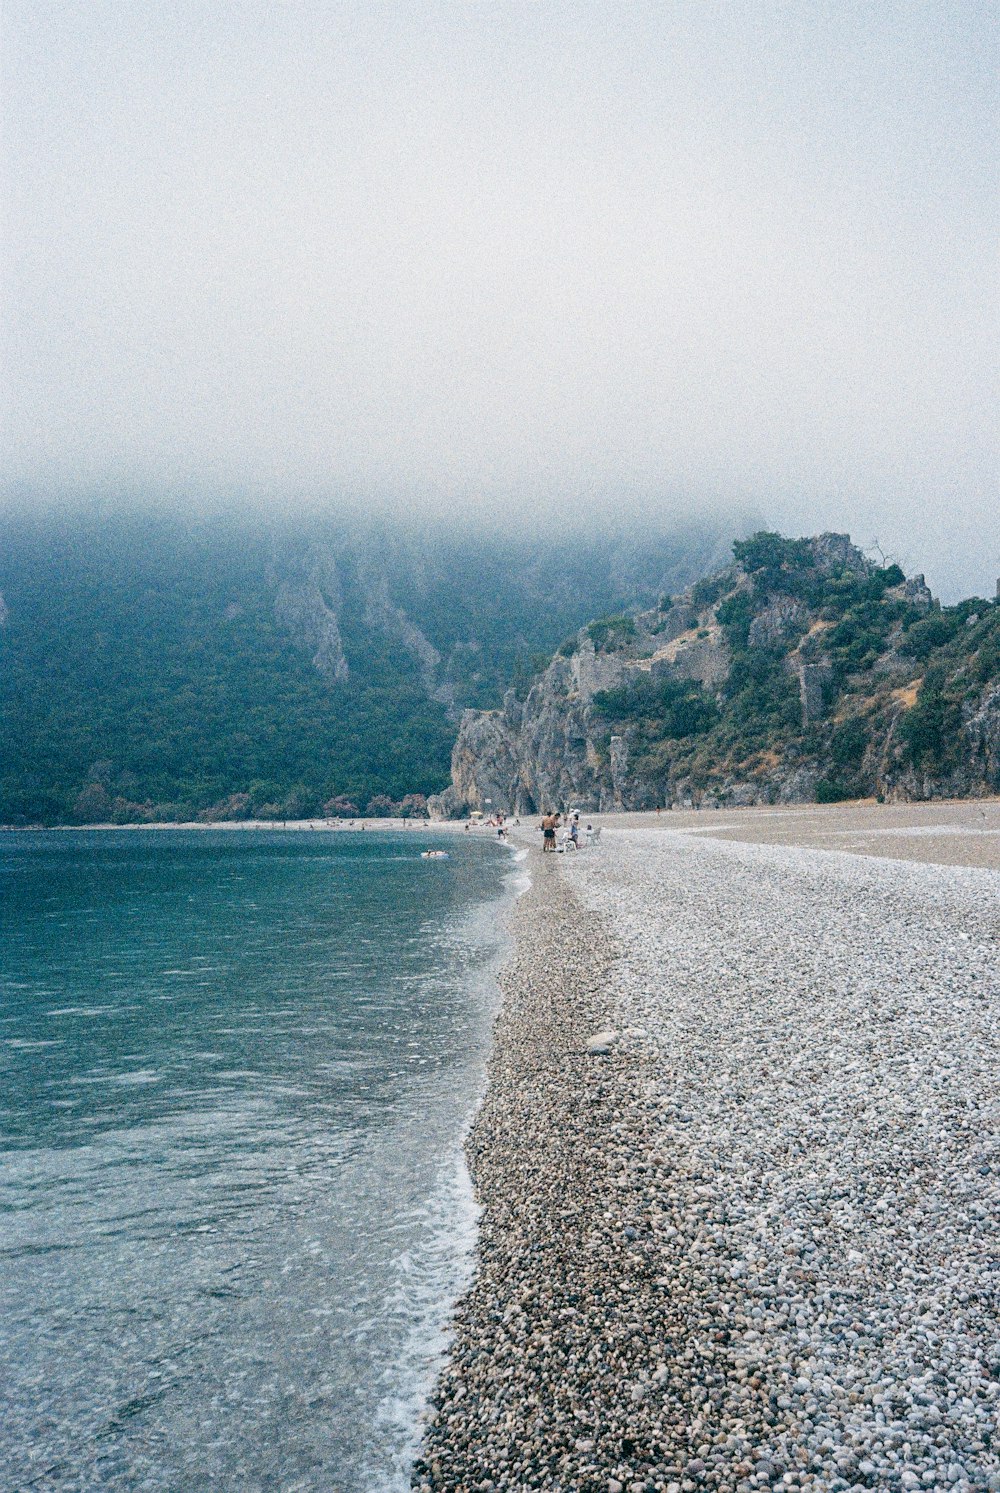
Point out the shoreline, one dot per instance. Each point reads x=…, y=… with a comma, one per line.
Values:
x=527, y=1153
x=747, y=1247
x=334, y=826
x=957, y=832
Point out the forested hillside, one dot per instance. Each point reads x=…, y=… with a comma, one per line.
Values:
x=802, y=671
x=157, y=670
x=806, y=670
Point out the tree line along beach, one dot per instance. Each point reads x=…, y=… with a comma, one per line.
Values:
x=752, y=1245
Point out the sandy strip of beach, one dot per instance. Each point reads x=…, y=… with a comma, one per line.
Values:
x=754, y=1245
x=949, y=832
x=345, y=826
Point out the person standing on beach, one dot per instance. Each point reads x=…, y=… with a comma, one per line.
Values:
x=549, y=823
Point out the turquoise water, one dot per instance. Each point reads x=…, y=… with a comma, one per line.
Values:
x=236, y=1067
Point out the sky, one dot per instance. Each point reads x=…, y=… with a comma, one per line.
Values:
x=572, y=262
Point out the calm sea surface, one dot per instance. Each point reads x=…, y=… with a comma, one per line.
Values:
x=235, y=1070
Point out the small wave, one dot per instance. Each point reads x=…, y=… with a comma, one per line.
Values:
x=82, y=1011
x=123, y=1080
x=519, y=879
x=427, y=1280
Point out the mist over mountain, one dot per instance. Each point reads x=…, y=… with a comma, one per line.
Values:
x=153, y=668
x=566, y=262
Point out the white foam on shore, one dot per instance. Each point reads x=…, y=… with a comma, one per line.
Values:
x=521, y=881
x=427, y=1281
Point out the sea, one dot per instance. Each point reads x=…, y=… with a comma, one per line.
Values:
x=236, y=1068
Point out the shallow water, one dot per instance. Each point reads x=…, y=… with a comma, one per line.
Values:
x=236, y=1069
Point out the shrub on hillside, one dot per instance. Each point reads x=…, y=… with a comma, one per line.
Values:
x=735, y=614
x=930, y=730
x=609, y=633
x=849, y=743
x=412, y=806
x=667, y=708
x=830, y=791
x=340, y=807
x=921, y=639
x=705, y=593
x=380, y=807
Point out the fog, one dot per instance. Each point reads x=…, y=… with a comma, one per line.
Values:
x=565, y=262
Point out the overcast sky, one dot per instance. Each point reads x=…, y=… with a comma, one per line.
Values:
x=571, y=258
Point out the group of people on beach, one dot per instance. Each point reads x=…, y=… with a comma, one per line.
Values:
x=498, y=821
x=573, y=834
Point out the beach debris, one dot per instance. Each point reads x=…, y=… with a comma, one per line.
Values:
x=601, y=1043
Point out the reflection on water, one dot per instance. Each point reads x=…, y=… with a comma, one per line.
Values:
x=235, y=1072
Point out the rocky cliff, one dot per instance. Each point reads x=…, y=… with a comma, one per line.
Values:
x=541, y=750
x=307, y=604
x=802, y=671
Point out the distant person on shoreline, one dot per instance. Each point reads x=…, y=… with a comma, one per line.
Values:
x=550, y=823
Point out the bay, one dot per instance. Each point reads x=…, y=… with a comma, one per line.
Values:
x=235, y=1072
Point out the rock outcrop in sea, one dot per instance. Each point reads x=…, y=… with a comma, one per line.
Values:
x=803, y=671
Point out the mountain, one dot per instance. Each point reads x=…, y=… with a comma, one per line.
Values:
x=154, y=669
x=800, y=672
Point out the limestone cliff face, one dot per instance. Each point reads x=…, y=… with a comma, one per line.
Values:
x=983, y=730
x=859, y=704
x=382, y=616
x=975, y=770
x=307, y=602
x=539, y=752
x=552, y=749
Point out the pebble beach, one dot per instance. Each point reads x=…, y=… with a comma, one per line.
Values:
x=739, y=1171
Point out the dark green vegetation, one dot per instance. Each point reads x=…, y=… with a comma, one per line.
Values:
x=151, y=670
x=806, y=670
x=611, y=632
x=661, y=709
